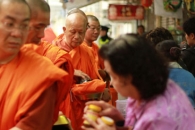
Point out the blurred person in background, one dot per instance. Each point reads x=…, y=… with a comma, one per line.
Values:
x=188, y=55
x=104, y=38
x=160, y=34
x=140, y=30
x=172, y=51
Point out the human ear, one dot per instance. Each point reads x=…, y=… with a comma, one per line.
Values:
x=64, y=29
x=192, y=36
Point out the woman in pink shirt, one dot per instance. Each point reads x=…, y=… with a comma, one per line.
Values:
x=139, y=72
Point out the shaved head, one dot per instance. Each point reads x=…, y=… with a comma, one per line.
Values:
x=76, y=14
x=17, y=1
x=75, y=28
x=38, y=5
x=40, y=19
x=92, y=17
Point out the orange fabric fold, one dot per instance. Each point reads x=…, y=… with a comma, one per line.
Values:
x=100, y=64
x=23, y=80
x=95, y=50
x=58, y=56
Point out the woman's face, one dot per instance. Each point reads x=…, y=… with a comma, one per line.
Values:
x=122, y=85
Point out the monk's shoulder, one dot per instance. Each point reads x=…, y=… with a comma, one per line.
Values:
x=32, y=57
x=37, y=64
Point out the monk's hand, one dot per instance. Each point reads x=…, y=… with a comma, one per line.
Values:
x=106, y=96
x=79, y=73
x=107, y=110
x=97, y=125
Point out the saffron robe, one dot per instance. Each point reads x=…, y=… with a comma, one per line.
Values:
x=98, y=59
x=23, y=81
x=58, y=56
x=82, y=59
x=100, y=63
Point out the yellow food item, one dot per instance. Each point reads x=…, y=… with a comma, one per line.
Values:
x=90, y=116
x=107, y=120
x=95, y=108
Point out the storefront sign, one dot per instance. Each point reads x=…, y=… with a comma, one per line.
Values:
x=125, y=12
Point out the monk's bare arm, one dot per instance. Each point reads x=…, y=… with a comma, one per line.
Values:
x=40, y=115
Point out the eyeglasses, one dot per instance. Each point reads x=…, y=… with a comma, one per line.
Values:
x=9, y=26
x=94, y=28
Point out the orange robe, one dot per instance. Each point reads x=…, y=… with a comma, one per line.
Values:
x=100, y=63
x=58, y=56
x=83, y=59
x=49, y=35
x=23, y=81
x=98, y=59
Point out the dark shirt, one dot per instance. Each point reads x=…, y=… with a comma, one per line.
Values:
x=188, y=57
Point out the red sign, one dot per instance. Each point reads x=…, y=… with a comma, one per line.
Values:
x=125, y=12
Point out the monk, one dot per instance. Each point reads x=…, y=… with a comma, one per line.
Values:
x=40, y=19
x=84, y=65
x=27, y=79
x=91, y=36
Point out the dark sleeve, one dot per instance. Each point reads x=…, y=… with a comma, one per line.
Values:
x=188, y=58
x=40, y=114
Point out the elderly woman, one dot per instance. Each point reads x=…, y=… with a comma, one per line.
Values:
x=140, y=73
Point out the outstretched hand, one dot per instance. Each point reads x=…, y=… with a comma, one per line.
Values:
x=107, y=110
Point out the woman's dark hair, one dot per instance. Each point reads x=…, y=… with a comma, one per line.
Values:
x=158, y=34
x=170, y=49
x=133, y=56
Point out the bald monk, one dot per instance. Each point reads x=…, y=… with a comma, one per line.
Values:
x=84, y=65
x=27, y=79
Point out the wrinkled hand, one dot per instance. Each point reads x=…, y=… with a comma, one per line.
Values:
x=98, y=125
x=107, y=110
x=79, y=73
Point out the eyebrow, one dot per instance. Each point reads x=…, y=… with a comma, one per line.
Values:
x=9, y=17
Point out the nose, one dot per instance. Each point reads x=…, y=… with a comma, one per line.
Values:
x=96, y=30
x=76, y=36
x=16, y=32
x=41, y=33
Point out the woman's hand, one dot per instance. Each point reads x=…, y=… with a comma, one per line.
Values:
x=107, y=110
x=97, y=125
